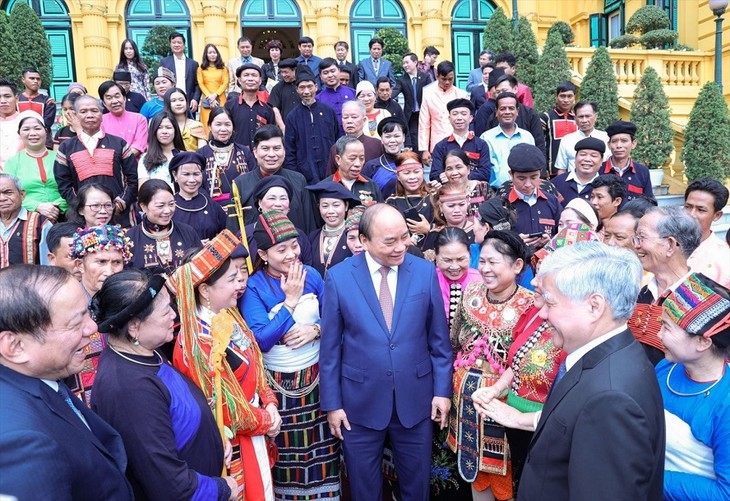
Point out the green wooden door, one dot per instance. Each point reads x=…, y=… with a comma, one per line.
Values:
x=143, y=15
x=367, y=17
x=467, y=31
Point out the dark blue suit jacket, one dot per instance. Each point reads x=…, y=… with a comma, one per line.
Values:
x=366, y=71
x=363, y=365
x=191, y=76
x=48, y=453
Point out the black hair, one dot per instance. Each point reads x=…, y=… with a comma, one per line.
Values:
x=506, y=57
x=154, y=156
x=119, y=291
x=26, y=292
x=391, y=126
x=30, y=69
x=174, y=35
x=373, y=41
x=505, y=95
x=305, y=40
x=267, y=132
x=4, y=82
x=458, y=153
x=74, y=213
x=136, y=59
x=220, y=110
x=218, y=61
x=508, y=244
x=109, y=84
x=444, y=68
x=636, y=207
x=71, y=97
x=712, y=186
x=431, y=50
x=413, y=57
x=168, y=95
x=383, y=79
x=581, y=104
x=450, y=235
x=272, y=44
x=615, y=185
x=488, y=65
x=57, y=232
x=243, y=39
x=343, y=43
x=566, y=86
x=327, y=62
x=506, y=78
x=150, y=188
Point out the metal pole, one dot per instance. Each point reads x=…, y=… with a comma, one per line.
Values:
x=718, y=49
x=515, y=15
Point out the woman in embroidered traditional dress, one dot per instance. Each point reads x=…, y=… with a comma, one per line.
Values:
x=159, y=243
x=382, y=170
x=412, y=195
x=481, y=337
x=456, y=170
x=213, y=82
x=93, y=206
x=329, y=243
x=365, y=93
x=194, y=207
x=193, y=133
x=170, y=435
x=34, y=168
x=452, y=268
x=695, y=384
x=163, y=141
x=282, y=306
x=130, y=60
x=225, y=160
x=451, y=208
x=218, y=352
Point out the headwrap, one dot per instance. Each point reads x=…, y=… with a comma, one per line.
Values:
x=574, y=232
x=28, y=114
x=585, y=209
x=701, y=307
x=272, y=228
x=100, y=238
x=453, y=196
x=364, y=86
x=207, y=261
x=353, y=218
x=154, y=285
x=76, y=85
x=165, y=73
x=266, y=183
x=493, y=212
x=187, y=157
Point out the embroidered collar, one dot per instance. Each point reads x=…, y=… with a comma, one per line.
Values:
x=610, y=167
x=515, y=195
x=338, y=179
x=468, y=137
x=567, y=115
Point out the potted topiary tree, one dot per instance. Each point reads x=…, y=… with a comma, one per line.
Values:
x=9, y=55
x=706, y=151
x=565, y=31
x=650, y=112
x=31, y=42
x=524, y=48
x=498, y=32
x=552, y=68
x=648, y=26
x=600, y=86
x=396, y=45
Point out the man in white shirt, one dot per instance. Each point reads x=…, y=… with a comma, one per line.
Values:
x=601, y=432
x=586, y=114
x=184, y=69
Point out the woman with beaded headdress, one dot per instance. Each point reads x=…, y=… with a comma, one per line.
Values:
x=282, y=306
x=173, y=446
x=102, y=251
x=481, y=336
x=218, y=352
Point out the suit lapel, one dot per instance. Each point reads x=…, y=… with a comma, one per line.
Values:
x=404, y=282
x=570, y=379
x=361, y=275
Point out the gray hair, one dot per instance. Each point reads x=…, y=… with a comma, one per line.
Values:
x=25, y=295
x=587, y=268
x=14, y=179
x=342, y=143
x=358, y=104
x=85, y=97
x=677, y=223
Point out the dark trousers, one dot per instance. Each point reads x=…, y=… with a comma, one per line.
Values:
x=519, y=443
x=413, y=130
x=363, y=449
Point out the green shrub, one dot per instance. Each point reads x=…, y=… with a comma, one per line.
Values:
x=565, y=31
x=498, y=32
x=396, y=45
x=32, y=46
x=646, y=19
x=658, y=39
x=650, y=112
x=552, y=68
x=524, y=48
x=706, y=151
x=682, y=48
x=624, y=41
x=156, y=46
x=600, y=86
x=9, y=55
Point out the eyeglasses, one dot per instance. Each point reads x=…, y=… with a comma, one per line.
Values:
x=638, y=239
x=97, y=207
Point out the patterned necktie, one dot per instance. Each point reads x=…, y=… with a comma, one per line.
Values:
x=376, y=66
x=67, y=398
x=414, y=82
x=385, y=298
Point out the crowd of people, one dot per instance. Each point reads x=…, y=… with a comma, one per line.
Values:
x=277, y=280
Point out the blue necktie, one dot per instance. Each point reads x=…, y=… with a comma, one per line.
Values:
x=414, y=81
x=66, y=396
x=561, y=372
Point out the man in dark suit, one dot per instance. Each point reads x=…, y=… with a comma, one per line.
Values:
x=412, y=93
x=385, y=359
x=53, y=446
x=376, y=65
x=341, y=49
x=184, y=68
x=601, y=433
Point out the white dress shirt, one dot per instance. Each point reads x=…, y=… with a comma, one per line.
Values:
x=376, y=277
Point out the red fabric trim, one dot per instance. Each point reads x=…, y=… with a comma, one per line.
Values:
x=86, y=166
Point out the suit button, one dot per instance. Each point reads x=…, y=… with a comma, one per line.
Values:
x=392, y=346
x=388, y=373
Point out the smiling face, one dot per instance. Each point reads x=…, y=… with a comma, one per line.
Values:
x=652, y=250
x=98, y=209
x=281, y=256
x=367, y=98
x=453, y=260
x=376, y=51
x=330, y=76
x=221, y=128
x=189, y=178
x=341, y=52
x=411, y=178
x=160, y=209
x=162, y=85
x=333, y=211
x=270, y=155
x=565, y=101
x=177, y=46
x=249, y=80
x=587, y=163
x=389, y=237
x=158, y=328
x=457, y=172
x=393, y=141
x=245, y=48
x=409, y=65
x=619, y=230
x=275, y=198
x=499, y=271
x=33, y=135
x=307, y=90
x=460, y=119
x=224, y=292
x=507, y=111
x=568, y=318
x=178, y=103
x=61, y=353
x=165, y=132
x=114, y=101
